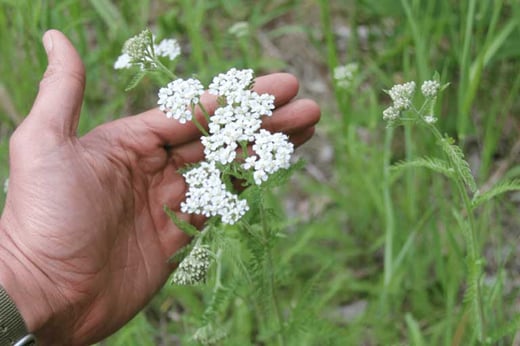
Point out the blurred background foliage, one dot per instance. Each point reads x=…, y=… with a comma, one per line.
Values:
x=337, y=222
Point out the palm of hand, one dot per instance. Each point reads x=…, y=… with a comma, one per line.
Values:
x=101, y=196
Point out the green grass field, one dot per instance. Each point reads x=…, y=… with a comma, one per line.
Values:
x=371, y=255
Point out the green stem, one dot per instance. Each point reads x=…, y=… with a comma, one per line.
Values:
x=164, y=69
x=204, y=111
x=388, y=209
x=271, y=281
x=471, y=242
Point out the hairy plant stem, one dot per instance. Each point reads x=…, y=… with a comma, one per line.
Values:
x=164, y=69
x=270, y=270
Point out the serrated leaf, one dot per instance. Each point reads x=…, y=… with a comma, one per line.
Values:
x=456, y=156
x=136, y=78
x=184, y=226
x=498, y=189
x=434, y=164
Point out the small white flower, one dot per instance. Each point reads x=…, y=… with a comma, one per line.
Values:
x=430, y=119
x=207, y=195
x=345, y=74
x=253, y=103
x=239, y=29
x=272, y=152
x=227, y=84
x=402, y=94
x=430, y=88
x=391, y=113
x=168, y=48
x=178, y=98
x=123, y=61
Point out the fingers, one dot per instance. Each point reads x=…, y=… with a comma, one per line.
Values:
x=282, y=85
x=293, y=117
x=56, y=109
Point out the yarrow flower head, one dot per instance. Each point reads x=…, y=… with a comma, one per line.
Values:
x=179, y=97
x=139, y=47
x=401, y=95
x=231, y=82
x=207, y=195
x=430, y=88
x=272, y=152
x=141, y=50
x=194, y=268
x=345, y=74
x=391, y=113
x=168, y=48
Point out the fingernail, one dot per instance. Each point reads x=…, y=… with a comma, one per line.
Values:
x=47, y=42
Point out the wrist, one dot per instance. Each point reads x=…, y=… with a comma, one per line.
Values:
x=20, y=279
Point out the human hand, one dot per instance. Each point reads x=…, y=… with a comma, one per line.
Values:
x=84, y=240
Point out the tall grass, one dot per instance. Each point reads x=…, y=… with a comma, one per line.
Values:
x=374, y=256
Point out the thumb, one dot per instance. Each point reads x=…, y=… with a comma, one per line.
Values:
x=56, y=109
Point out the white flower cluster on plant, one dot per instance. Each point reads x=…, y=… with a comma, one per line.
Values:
x=141, y=49
x=401, y=95
x=194, y=268
x=345, y=75
x=179, y=97
x=168, y=48
x=430, y=88
x=272, y=152
x=235, y=125
x=207, y=195
x=227, y=84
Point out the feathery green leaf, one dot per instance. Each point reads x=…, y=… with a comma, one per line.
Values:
x=498, y=189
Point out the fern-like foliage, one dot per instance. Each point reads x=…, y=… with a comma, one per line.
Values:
x=136, y=78
x=456, y=157
x=434, y=164
x=183, y=225
x=509, y=329
x=498, y=189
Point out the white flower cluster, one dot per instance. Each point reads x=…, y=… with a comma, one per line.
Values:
x=401, y=95
x=430, y=88
x=207, y=195
x=345, y=74
x=430, y=119
x=141, y=49
x=194, y=268
x=231, y=82
x=234, y=125
x=179, y=97
x=273, y=151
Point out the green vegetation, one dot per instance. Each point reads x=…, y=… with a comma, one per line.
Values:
x=375, y=248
